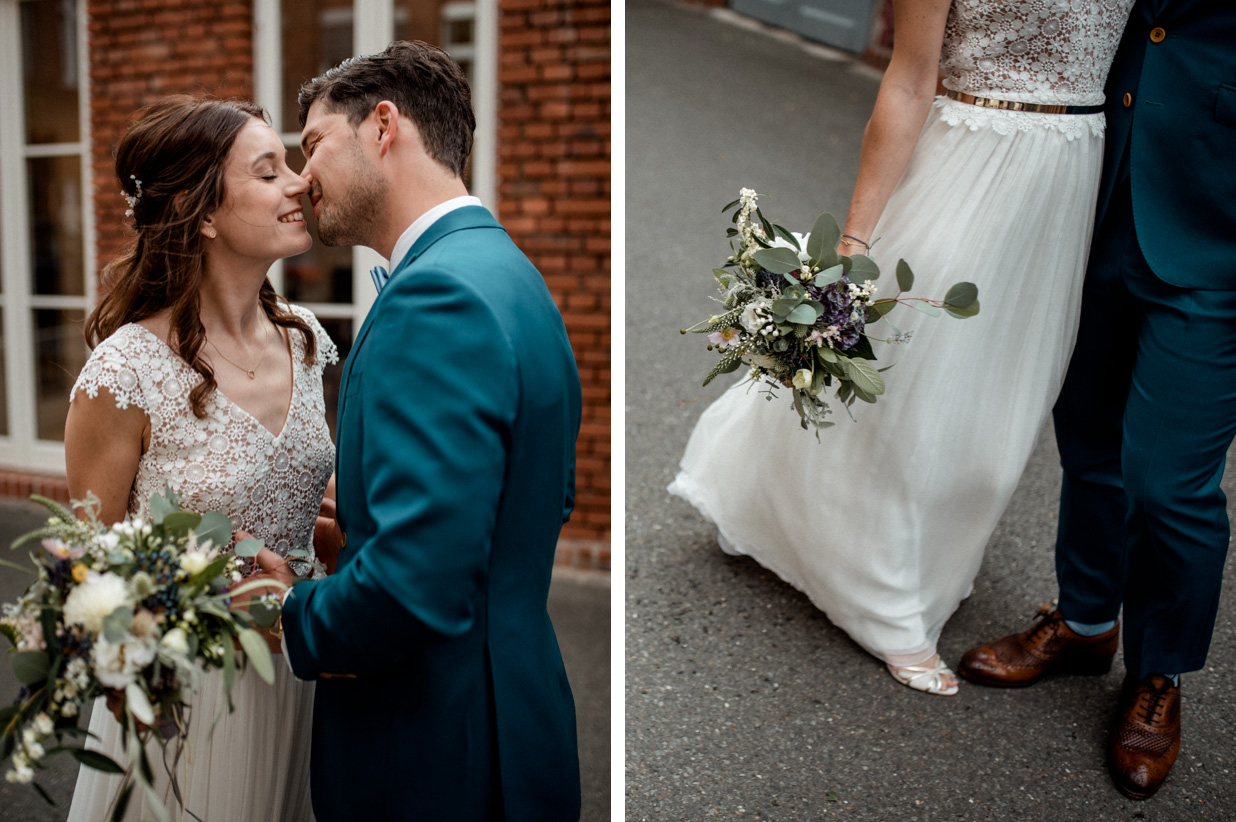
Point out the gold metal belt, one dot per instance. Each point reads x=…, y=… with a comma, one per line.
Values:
x=1009, y=105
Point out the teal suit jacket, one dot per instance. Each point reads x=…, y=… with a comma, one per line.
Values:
x=442, y=693
x=1183, y=180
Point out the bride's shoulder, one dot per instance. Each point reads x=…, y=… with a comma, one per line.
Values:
x=119, y=363
x=328, y=353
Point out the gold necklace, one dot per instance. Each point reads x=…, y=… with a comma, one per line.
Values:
x=251, y=373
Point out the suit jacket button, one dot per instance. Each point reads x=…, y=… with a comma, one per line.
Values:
x=1157, y=34
x=1128, y=99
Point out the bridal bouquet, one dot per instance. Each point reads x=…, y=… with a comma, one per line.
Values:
x=134, y=611
x=797, y=312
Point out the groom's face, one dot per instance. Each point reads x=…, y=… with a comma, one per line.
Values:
x=345, y=188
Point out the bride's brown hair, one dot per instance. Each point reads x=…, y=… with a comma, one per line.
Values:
x=177, y=150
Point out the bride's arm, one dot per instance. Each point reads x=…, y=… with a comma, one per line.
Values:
x=905, y=97
x=102, y=447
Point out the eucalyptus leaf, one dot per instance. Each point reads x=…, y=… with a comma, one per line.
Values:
x=783, y=306
x=829, y=276
x=214, y=527
x=31, y=667
x=778, y=260
x=116, y=624
x=962, y=313
x=96, y=760
x=863, y=268
x=817, y=381
x=825, y=235
x=863, y=395
x=9, y=632
x=905, y=277
x=865, y=377
x=160, y=507
x=826, y=354
x=138, y=703
x=805, y=314
x=880, y=309
x=7, y=714
x=925, y=307
x=180, y=523
x=259, y=654
x=961, y=295
x=250, y=547
x=264, y=614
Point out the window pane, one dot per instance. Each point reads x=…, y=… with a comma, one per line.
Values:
x=317, y=34
x=322, y=274
x=60, y=353
x=4, y=391
x=340, y=330
x=56, y=225
x=49, y=70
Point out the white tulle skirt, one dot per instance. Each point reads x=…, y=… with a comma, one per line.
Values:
x=883, y=522
x=254, y=768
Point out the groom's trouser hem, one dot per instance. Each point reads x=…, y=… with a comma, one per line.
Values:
x=1143, y=424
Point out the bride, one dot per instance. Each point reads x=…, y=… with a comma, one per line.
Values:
x=203, y=379
x=994, y=183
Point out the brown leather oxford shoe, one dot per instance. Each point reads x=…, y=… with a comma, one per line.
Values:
x=1146, y=736
x=1047, y=647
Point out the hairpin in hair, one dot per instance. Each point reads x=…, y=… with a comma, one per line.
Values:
x=132, y=199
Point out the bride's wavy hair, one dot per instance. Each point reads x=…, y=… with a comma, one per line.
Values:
x=177, y=149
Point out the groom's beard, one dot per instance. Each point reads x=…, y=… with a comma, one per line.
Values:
x=350, y=215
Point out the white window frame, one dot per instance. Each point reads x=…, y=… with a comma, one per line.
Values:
x=20, y=449
x=373, y=30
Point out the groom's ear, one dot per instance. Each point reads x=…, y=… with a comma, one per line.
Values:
x=386, y=115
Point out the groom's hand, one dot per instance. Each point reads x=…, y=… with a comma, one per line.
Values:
x=327, y=537
x=275, y=569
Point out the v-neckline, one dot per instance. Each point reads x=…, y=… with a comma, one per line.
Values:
x=287, y=414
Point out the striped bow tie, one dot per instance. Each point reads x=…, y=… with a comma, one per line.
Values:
x=380, y=276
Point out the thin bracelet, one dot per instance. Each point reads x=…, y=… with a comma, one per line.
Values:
x=855, y=240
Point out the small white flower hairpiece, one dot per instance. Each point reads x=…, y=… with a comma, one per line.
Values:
x=132, y=199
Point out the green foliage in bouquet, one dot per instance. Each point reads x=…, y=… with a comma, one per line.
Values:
x=135, y=612
x=797, y=312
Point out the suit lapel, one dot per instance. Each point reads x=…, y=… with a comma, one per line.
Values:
x=460, y=219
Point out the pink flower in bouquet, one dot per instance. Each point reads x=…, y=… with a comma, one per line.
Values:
x=724, y=338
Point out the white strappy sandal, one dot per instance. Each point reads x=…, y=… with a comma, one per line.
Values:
x=928, y=677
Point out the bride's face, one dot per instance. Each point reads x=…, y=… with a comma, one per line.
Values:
x=261, y=215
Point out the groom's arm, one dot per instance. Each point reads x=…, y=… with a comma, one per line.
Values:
x=438, y=393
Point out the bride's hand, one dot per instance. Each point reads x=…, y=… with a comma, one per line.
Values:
x=275, y=569
x=327, y=538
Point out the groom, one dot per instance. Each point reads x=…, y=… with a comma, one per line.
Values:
x=1148, y=409
x=441, y=692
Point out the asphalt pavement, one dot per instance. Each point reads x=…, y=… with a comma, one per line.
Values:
x=579, y=605
x=742, y=700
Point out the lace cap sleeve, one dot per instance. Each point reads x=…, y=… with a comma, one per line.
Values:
x=115, y=364
x=328, y=353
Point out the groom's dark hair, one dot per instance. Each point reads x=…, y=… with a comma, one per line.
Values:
x=423, y=82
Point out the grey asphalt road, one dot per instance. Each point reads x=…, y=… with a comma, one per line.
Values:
x=579, y=605
x=742, y=701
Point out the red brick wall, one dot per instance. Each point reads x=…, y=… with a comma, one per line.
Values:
x=141, y=50
x=553, y=197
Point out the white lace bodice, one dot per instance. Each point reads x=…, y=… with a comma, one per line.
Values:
x=270, y=485
x=1031, y=51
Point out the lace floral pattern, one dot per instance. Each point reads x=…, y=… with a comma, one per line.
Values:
x=1072, y=126
x=270, y=484
x=1032, y=51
